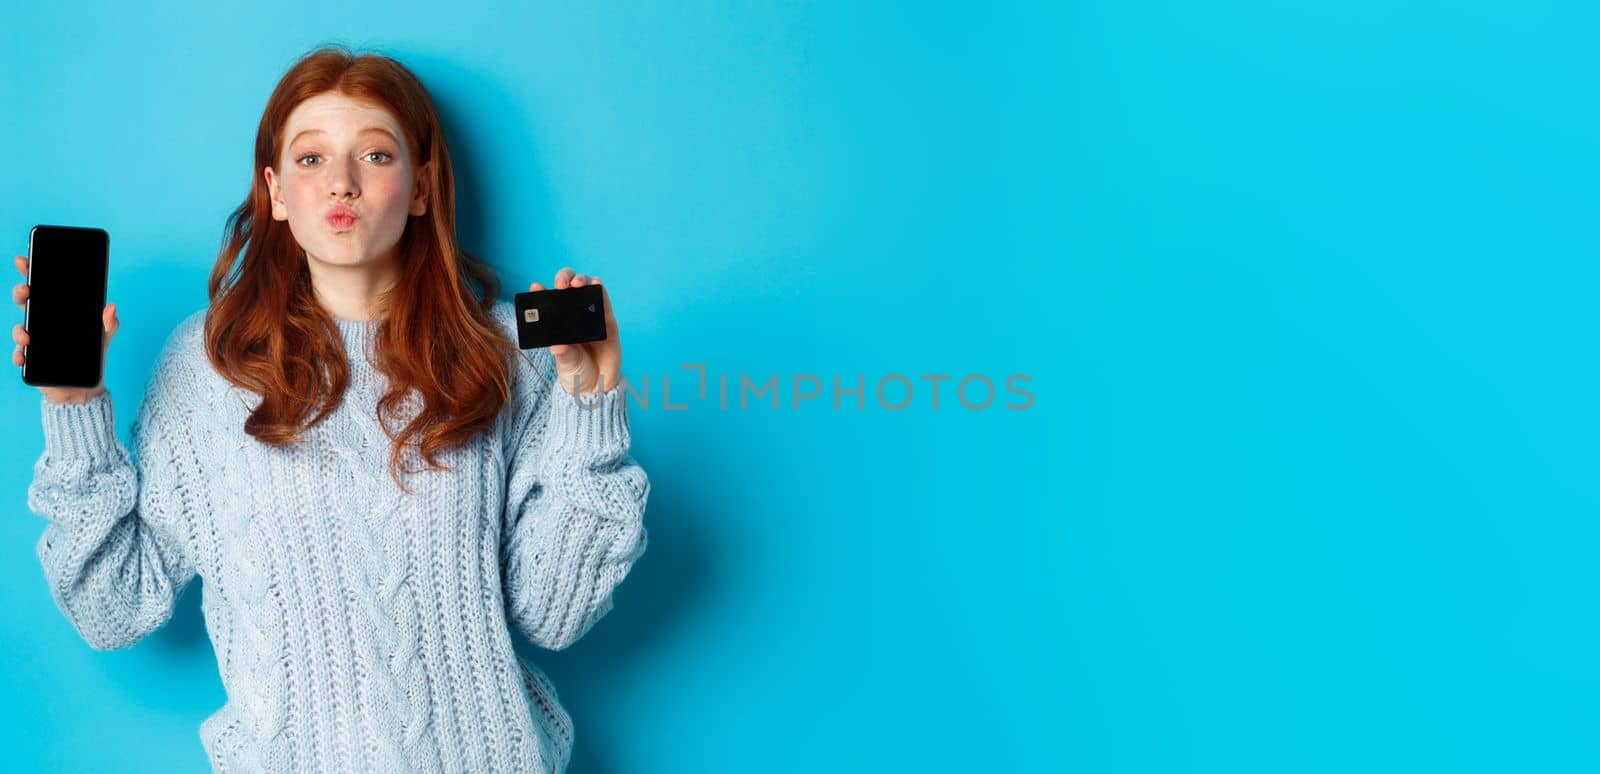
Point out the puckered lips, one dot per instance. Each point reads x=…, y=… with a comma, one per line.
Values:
x=341, y=217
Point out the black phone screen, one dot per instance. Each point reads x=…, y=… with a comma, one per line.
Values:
x=67, y=269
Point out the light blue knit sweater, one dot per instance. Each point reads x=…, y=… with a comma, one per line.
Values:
x=355, y=627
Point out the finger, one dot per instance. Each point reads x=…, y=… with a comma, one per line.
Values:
x=16, y=356
x=564, y=278
x=570, y=360
x=611, y=317
x=108, y=318
x=19, y=335
x=22, y=265
x=580, y=280
x=568, y=356
x=609, y=359
x=19, y=293
x=535, y=286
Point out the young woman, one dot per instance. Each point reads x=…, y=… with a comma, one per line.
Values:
x=349, y=448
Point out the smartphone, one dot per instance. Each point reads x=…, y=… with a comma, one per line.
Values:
x=570, y=316
x=67, y=268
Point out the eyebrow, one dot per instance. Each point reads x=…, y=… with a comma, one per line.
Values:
x=367, y=130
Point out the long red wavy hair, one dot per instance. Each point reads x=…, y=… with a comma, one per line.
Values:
x=266, y=333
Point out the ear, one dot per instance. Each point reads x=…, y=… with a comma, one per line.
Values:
x=419, y=192
x=280, y=211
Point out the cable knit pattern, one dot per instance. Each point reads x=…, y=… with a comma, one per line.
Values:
x=358, y=627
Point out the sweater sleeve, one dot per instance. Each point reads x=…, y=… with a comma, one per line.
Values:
x=575, y=504
x=111, y=551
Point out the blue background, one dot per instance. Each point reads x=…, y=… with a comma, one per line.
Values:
x=1304, y=290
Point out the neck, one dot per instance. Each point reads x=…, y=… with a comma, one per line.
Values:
x=351, y=292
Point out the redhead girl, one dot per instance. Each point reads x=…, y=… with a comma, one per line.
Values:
x=374, y=482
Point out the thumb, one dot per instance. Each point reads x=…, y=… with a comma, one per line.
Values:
x=570, y=357
x=108, y=318
x=575, y=368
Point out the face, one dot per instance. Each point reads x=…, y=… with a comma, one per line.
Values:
x=345, y=181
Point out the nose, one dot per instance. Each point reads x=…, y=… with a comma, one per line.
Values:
x=342, y=180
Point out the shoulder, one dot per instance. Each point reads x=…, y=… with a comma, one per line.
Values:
x=185, y=344
x=505, y=315
x=181, y=368
x=190, y=333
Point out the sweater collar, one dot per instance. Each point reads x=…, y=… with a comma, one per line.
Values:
x=357, y=336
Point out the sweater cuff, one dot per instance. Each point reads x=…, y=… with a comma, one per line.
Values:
x=590, y=420
x=77, y=431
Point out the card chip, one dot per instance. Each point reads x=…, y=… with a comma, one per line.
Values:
x=530, y=315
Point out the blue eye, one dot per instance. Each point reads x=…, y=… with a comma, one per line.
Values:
x=385, y=158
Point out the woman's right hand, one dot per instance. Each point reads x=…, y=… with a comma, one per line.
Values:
x=108, y=319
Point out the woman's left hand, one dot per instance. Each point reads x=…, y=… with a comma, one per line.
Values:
x=591, y=366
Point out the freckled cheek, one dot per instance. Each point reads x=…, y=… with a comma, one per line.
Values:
x=303, y=194
x=387, y=194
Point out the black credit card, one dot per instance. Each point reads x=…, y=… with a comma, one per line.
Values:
x=571, y=316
